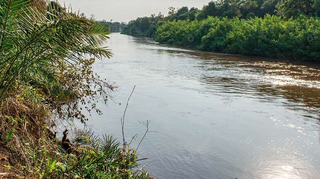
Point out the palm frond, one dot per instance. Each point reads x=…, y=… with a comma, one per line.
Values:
x=30, y=36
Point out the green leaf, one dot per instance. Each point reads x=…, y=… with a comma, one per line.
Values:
x=8, y=136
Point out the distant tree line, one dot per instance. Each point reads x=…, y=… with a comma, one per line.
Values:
x=273, y=28
x=243, y=9
x=143, y=26
x=112, y=26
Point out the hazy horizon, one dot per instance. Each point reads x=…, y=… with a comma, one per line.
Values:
x=124, y=10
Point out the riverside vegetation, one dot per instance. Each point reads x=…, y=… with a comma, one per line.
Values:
x=112, y=26
x=46, y=57
x=288, y=29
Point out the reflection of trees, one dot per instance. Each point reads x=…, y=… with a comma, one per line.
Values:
x=309, y=97
x=222, y=74
x=227, y=85
x=299, y=97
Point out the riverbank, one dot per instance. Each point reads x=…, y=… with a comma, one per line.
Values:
x=279, y=29
x=29, y=147
x=46, y=58
x=271, y=36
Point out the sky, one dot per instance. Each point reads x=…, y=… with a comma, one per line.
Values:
x=126, y=10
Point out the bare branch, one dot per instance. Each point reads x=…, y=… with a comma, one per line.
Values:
x=145, y=134
x=123, y=118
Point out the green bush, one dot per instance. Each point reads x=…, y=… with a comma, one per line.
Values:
x=271, y=36
x=184, y=33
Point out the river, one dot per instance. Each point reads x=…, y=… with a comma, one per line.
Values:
x=213, y=115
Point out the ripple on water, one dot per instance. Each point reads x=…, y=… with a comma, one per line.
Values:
x=216, y=115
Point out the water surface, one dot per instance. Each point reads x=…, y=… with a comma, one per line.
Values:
x=213, y=115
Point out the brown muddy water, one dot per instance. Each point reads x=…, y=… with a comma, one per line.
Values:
x=213, y=115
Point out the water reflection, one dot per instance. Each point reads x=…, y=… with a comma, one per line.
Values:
x=266, y=80
x=269, y=79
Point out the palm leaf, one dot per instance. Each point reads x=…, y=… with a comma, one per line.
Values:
x=30, y=37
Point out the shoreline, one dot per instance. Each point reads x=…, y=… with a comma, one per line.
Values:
x=254, y=58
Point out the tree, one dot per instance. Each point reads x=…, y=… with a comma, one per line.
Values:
x=316, y=7
x=172, y=11
x=230, y=8
x=269, y=6
x=182, y=13
x=192, y=14
x=294, y=8
x=182, y=10
x=208, y=10
x=249, y=8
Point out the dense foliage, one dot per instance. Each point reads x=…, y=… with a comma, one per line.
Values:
x=273, y=28
x=44, y=50
x=46, y=57
x=143, y=27
x=271, y=36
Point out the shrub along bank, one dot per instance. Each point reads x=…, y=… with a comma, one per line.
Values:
x=271, y=36
x=274, y=28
